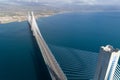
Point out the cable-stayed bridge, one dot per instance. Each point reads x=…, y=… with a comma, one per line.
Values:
x=52, y=65
x=117, y=73
x=56, y=71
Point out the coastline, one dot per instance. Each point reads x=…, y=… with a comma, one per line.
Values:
x=18, y=18
x=9, y=19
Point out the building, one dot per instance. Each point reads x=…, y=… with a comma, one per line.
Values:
x=107, y=63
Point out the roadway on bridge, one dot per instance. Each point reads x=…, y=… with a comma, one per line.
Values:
x=53, y=67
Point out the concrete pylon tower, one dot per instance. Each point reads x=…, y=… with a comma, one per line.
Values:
x=107, y=63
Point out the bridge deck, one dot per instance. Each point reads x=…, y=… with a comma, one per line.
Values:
x=53, y=67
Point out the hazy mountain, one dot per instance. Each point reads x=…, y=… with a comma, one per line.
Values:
x=59, y=5
x=68, y=2
x=80, y=2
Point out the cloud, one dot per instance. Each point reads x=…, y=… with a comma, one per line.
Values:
x=108, y=2
x=89, y=2
x=70, y=1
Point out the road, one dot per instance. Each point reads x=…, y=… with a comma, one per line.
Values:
x=52, y=65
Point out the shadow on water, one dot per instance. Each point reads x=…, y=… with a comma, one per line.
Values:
x=40, y=66
x=53, y=73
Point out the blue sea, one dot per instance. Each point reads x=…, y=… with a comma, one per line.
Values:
x=74, y=38
x=84, y=31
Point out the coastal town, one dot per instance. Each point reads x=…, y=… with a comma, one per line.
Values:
x=17, y=11
x=18, y=18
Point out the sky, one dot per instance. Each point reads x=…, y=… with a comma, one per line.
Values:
x=81, y=2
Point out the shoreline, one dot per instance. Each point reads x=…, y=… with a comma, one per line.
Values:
x=17, y=18
x=9, y=19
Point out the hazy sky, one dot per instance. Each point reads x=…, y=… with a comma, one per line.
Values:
x=92, y=2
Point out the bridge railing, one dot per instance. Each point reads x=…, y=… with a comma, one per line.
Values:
x=52, y=65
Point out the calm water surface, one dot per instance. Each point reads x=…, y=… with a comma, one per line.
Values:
x=20, y=58
x=84, y=31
